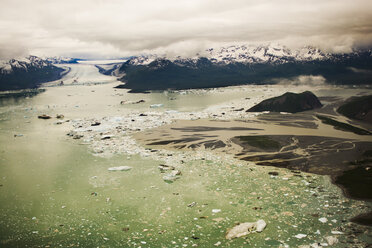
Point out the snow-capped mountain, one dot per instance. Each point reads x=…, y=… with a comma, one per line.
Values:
x=144, y=59
x=26, y=63
x=263, y=54
x=62, y=60
x=244, y=64
x=28, y=72
x=246, y=54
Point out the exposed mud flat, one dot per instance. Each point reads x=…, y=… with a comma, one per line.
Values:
x=302, y=143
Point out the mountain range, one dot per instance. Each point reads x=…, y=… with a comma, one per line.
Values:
x=214, y=67
x=246, y=54
x=237, y=65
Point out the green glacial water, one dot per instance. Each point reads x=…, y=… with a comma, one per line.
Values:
x=55, y=193
x=73, y=200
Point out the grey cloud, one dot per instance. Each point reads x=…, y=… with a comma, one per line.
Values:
x=114, y=28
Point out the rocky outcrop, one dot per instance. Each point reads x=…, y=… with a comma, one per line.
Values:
x=288, y=102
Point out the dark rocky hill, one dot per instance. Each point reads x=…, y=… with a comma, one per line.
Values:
x=288, y=102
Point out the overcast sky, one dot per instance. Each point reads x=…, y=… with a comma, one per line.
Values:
x=115, y=28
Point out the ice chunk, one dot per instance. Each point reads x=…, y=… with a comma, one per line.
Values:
x=170, y=177
x=261, y=224
x=300, y=236
x=246, y=228
x=171, y=111
x=323, y=220
x=156, y=105
x=331, y=240
x=164, y=168
x=218, y=243
x=120, y=168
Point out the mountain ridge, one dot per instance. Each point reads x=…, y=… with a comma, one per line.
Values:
x=242, y=54
x=233, y=66
x=27, y=72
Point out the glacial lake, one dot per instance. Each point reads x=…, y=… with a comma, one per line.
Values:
x=56, y=192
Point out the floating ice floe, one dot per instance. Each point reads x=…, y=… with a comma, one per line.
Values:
x=120, y=168
x=300, y=236
x=323, y=220
x=171, y=111
x=331, y=240
x=172, y=176
x=164, y=167
x=218, y=243
x=156, y=105
x=245, y=229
